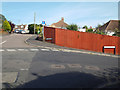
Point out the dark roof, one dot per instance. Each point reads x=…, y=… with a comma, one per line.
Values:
x=110, y=26
x=60, y=23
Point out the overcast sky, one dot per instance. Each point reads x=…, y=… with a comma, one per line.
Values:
x=80, y=13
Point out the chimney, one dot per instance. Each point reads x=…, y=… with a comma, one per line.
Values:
x=62, y=19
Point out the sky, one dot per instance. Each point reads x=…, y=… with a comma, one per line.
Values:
x=80, y=13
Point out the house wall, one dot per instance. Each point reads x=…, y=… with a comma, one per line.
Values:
x=110, y=33
x=82, y=40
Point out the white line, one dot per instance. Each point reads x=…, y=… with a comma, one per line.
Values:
x=2, y=50
x=54, y=50
x=11, y=50
x=22, y=50
x=45, y=49
x=34, y=49
x=3, y=42
x=23, y=69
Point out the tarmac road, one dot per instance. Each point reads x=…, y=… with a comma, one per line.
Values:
x=37, y=67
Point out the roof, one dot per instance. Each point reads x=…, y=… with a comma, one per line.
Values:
x=60, y=23
x=19, y=26
x=110, y=26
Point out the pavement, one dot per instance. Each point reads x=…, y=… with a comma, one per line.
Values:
x=44, y=65
x=32, y=41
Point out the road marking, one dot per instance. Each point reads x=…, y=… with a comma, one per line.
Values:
x=3, y=42
x=24, y=69
x=45, y=49
x=2, y=50
x=54, y=50
x=92, y=68
x=34, y=49
x=11, y=50
x=74, y=65
x=22, y=49
x=57, y=66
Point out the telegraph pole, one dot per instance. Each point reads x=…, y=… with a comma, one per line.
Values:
x=34, y=21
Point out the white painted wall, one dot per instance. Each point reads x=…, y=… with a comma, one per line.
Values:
x=110, y=33
x=82, y=30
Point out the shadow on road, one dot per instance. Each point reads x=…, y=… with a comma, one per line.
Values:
x=65, y=80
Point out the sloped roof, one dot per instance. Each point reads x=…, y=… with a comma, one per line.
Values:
x=19, y=26
x=111, y=25
x=60, y=23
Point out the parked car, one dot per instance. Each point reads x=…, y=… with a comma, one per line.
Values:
x=16, y=31
x=23, y=32
x=20, y=31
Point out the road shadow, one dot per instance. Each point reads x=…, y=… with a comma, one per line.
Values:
x=65, y=80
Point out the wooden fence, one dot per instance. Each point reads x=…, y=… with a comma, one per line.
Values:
x=82, y=40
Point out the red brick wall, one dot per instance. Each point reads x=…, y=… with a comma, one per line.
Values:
x=83, y=40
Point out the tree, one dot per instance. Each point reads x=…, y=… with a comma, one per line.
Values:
x=31, y=28
x=99, y=32
x=6, y=26
x=117, y=32
x=41, y=25
x=73, y=27
x=89, y=30
x=85, y=27
x=98, y=26
x=37, y=28
x=12, y=25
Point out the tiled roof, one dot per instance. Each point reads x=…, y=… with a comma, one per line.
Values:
x=60, y=23
x=111, y=25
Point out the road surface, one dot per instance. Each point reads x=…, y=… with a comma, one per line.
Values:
x=25, y=66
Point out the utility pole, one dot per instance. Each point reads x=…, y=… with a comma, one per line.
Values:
x=34, y=21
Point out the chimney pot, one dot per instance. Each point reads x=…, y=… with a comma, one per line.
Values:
x=62, y=18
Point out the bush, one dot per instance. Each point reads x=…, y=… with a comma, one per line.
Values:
x=73, y=27
x=89, y=30
x=6, y=26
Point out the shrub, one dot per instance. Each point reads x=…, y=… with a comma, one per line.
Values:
x=73, y=27
x=6, y=26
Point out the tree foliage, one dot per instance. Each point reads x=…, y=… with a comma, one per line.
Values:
x=99, y=32
x=12, y=25
x=98, y=26
x=31, y=28
x=6, y=26
x=89, y=30
x=85, y=27
x=37, y=28
x=117, y=32
x=73, y=27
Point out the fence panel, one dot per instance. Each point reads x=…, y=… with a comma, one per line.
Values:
x=83, y=40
